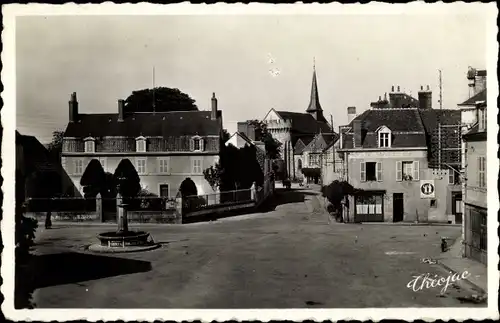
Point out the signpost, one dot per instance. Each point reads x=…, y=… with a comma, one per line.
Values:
x=427, y=189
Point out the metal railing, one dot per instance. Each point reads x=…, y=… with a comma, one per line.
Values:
x=199, y=202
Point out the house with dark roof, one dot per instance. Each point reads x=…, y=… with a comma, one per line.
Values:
x=310, y=159
x=240, y=140
x=41, y=175
x=391, y=150
x=474, y=153
x=288, y=127
x=165, y=147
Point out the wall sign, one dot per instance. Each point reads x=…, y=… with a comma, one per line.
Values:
x=427, y=189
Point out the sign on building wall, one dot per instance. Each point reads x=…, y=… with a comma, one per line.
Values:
x=427, y=189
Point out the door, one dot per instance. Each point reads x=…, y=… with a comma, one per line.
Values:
x=456, y=207
x=398, y=207
x=164, y=190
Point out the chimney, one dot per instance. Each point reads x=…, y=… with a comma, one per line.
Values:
x=356, y=127
x=425, y=98
x=399, y=89
x=392, y=89
x=351, y=114
x=385, y=96
x=73, y=108
x=214, y=107
x=121, y=106
x=421, y=87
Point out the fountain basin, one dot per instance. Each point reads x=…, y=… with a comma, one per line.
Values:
x=129, y=241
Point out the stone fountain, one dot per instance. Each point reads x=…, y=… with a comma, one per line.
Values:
x=123, y=240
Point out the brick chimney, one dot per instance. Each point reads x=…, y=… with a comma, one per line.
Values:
x=121, y=106
x=351, y=114
x=425, y=98
x=214, y=107
x=356, y=127
x=73, y=108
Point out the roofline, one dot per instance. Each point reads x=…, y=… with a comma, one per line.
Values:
x=381, y=149
x=133, y=154
x=272, y=109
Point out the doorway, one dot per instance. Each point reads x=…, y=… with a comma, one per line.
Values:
x=456, y=207
x=164, y=190
x=398, y=207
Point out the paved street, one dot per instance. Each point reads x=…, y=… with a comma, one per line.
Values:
x=288, y=257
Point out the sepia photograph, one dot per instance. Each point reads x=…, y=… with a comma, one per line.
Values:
x=258, y=161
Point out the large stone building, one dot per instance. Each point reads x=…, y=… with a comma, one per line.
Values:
x=288, y=127
x=390, y=148
x=165, y=147
x=474, y=148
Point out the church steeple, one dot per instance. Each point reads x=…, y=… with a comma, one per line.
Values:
x=314, y=106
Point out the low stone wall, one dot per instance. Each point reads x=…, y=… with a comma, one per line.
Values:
x=65, y=216
x=133, y=216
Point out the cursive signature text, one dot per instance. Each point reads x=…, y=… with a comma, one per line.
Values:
x=426, y=281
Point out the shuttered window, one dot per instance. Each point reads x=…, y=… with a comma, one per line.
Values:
x=379, y=172
x=363, y=172
x=481, y=161
x=416, y=171
x=399, y=171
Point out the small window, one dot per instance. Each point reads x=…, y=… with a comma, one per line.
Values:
x=384, y=139
x=141, y=166
x=371, y=171
x=196, y=144
x=197, y=169
x=78, y=167
x=299, y=164
x=90, y=146
x=481, y=171
x=482, y=119
x=407, y=171
x=433, y=203
x=453, y=177
x=163, y=166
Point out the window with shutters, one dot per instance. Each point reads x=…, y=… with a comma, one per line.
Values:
x=141, y=165
x=453, y=177
x=407, y=171
x=197, y=144
x=163, y=165
x=197, y=169
x=369, y=171
x=481, y=171
x=78, y=166
x=482, y=119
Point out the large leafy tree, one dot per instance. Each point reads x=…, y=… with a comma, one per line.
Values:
x=165, y=99
x=55, y=146
x=127, y=179
x=336, y=192
x=93, y=180
x=263, y=134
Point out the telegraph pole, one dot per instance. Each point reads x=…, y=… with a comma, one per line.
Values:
x=333, y=145
x=440, y=90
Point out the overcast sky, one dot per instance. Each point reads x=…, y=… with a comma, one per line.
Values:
x=358, y=58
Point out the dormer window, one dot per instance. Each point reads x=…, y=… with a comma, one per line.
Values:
x=140, y=144
x=384, y=137
x=89, y=145
x=196, y=144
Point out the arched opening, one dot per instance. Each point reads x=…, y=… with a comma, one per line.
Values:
x=188, y=188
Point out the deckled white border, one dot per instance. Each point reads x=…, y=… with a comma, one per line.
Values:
x=489, y=11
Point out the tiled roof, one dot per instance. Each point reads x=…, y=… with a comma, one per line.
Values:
x=145, y=124
x=481, y=96
x=406, y=125
x=304, y=123
x=36, y=156
x=321, y=142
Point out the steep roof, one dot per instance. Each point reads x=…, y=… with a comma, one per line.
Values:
x=36, y=156
x=314, y=104
x=481, y=96
x=178, y=123
x=321, y=142
x=405, y=124
x=304, y=123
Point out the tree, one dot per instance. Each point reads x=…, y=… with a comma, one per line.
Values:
x=93, y=180
x=262, y=133
x=213, y=176
x=225, y=135
x=55, y=146
x=336, y=192
x=127, y=180
x=165, y=99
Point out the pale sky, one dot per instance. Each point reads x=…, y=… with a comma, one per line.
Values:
x=358, y=58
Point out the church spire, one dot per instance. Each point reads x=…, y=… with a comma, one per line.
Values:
x=314, y=105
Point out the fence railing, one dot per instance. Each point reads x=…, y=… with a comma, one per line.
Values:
x=199, y=202
x=62, y=204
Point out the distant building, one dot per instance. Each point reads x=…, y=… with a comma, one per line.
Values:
x=165, y=147
x=474, y=148
x=309, y=160
x=288, y=127
x=389, y=149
